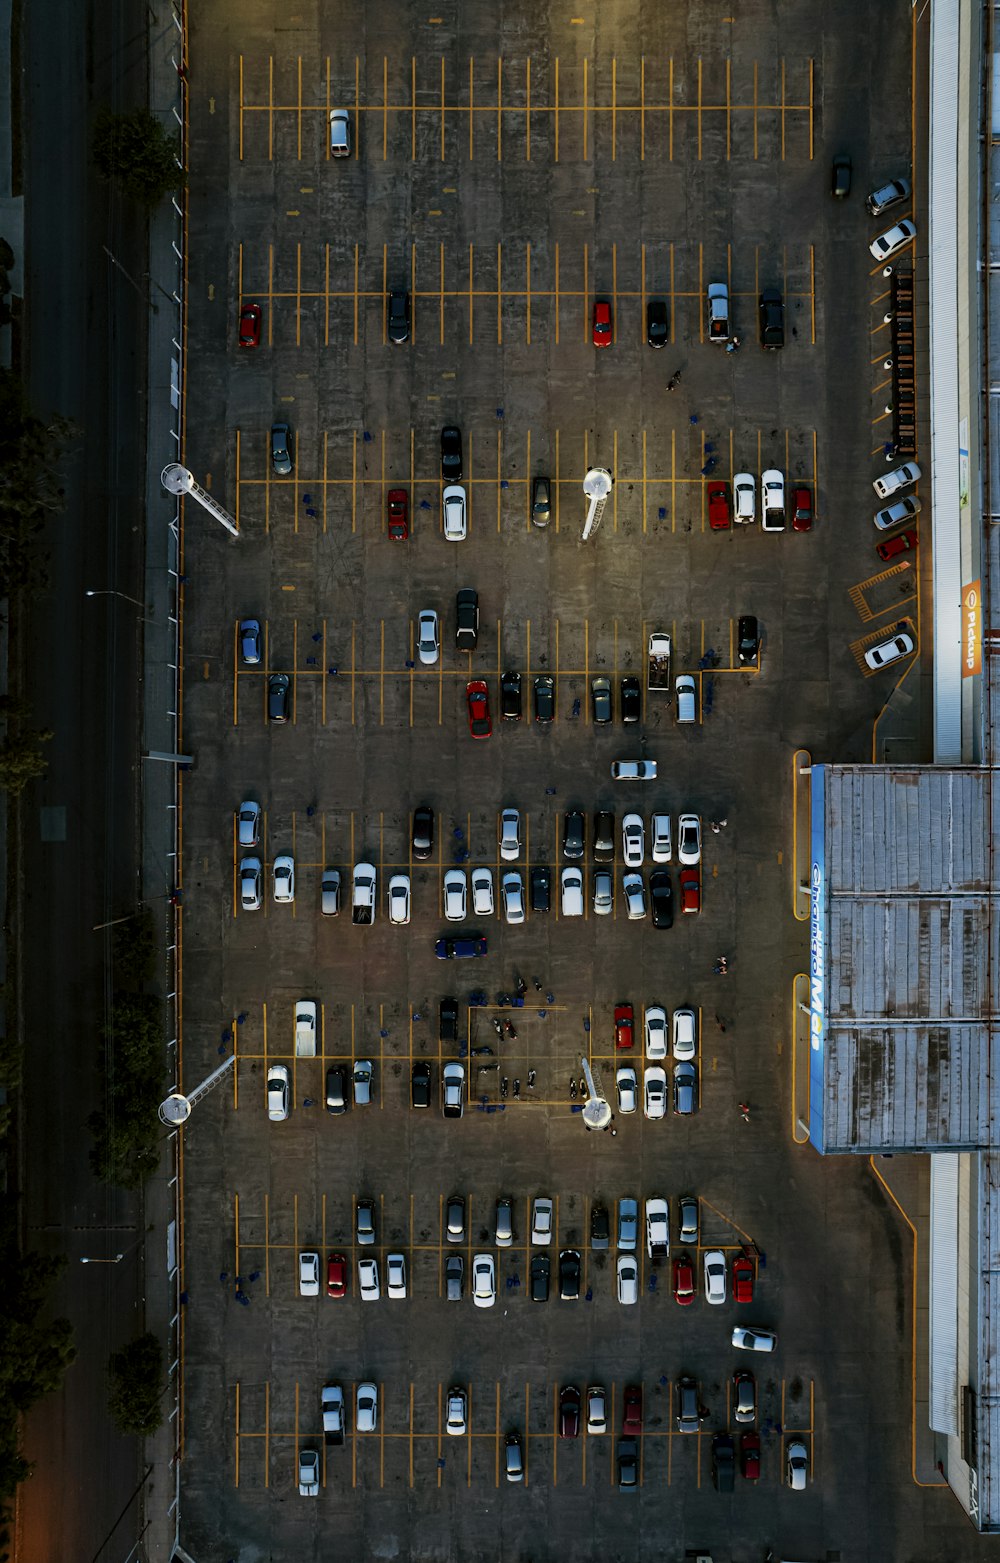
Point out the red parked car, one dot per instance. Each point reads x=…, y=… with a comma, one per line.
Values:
x=250, y=325
x=336, y=1276
x=899, y=544
x=624, y=1025
x=569, y=1412
x=743, y=1273
x=690, y=890
x=719, y=512
x=750, y=1456
x=683, y=1280
x=399, y=526
x=632, y=1412
x=602, y=323
x=478, y=697
x=802, y=510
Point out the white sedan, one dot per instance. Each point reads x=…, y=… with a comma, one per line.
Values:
x=656, y=1031
x=482, y=892
x=685, y=1033
x=627, y=1085
x=455, y=894
x=283, y=878
x=715, y=1276
x=399, y=898
x=395, y=1275
x=654, y=1083
x=633, y=840
x=454, y=513
x=368, y=1280
x=428, y=643
x=894, y=238
x=509, y=835
x=635, y=896
x=888, y=651
x=513, y=898
x=366, y=1408
x=689, y=839
x=309, y=1273
x=484, y=1282
x=744, y=497
x=628, y=1280
x=541, y=1220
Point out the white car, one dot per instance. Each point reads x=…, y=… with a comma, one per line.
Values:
x=249, y=823
x=308, y=1473
x=888, y=651
x=283, y=878
x=715, y=1276
x=797, y=1464
x=368, y=1280
x=454, y=512
x=541, y=1220
x=656, y=1032
x=657, y=1227
x=633, y=770
x=428, y=642
x=513, y=897
x=635, y=896
x=750, y=1337
x=894, y=238
x=453, y=1087
x=661, y=848
x=633, y=840
x=395, y=1275
x=305, y=1028
x=627, y=1086
x=772, y=493
x=309, y=1273
x=604, y=893
x=597, y=1409
x=399, y=899
x=455, y=889
x=744, y=497
x=899, y=477
x=887, y=195
x=277, y=1093
x=689, y=839
x=457, y=1411
x=509, y=836
x=685, y=1033
x=900, y=510
x=250, y=897
x=628, y=1280
x=484, y=1280
x=571, y=891
x=654, y=1084
x=366, y=1408
x=482, y=892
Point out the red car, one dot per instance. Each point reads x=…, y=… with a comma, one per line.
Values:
x=802, y=510
x=750, y=1456
x=602, y=323
x=900, y=544
x=569, y=1412
x=399, y=528
x=683, y=1280
x=336, y=1276
x=632, y=1411
x=478, y=697
x=690, y=890
x=718, y=506
x=624, y=1025
x=250, y=325
x=742, y=1279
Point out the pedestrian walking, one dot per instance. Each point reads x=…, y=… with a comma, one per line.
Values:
x=714, y=826
x=745, y=1111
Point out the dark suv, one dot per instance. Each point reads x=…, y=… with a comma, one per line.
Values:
x=398, y=322
x=277, y=697
x=574, y=827
x=510, y=696
x=451, y=454
x=423, y=832
x=448, y=1020
x=466, y=619
x=772, y=319
x=541, y=888
x=604, y=836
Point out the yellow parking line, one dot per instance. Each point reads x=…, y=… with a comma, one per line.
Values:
x=442, y=108
x=556, y=110
x=242, y=109
x=670, y=111
x=441, y=293
x=557, y=482
x=557, y=305
x=812, y=121
x=270, y=109
x=357, y=106
x=499, y=293
x=782, y=110
x=413, y=108
x=645, y=516
x=699, y=109
x=755, y=107
x=586, y=288
x=527, y=285
x=527, y=116
x=585, y=108
x=385, y=104
x=439, y=1438
x=614, y=108
x=299, y=111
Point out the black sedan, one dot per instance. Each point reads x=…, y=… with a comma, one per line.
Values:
x=747, y=640
x=423, y=832
x=600, y=1227
x=398, y=316
x=631, y=700
x=569, y=1275
x=661, y=896
x=541, y=1267
x=420, y=1085
x=772, y=319
x=657, y=325
x=545, y=697
x=510, y=696
x=337, y=1090
x=451, y=454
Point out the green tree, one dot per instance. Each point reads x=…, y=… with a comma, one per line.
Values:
x=30, y=484
x=34, y=1350
x=135, y=1385
x=134, y=956
x=21, y=760
x=136, y=150
x=127, y=1133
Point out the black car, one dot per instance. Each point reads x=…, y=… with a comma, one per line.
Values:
x=541, y=888
x=423, y=832
x=463, y=949
x=466, y=619
x=277, y=697
x=772, y=319
x=840, y=185
x=628, y=1463
x=545, y=697
x=454, y=1220
x=569, y=1275
x=338, y=1097
x=541, y=1269
x=541, y=502
x=451, y=454
x=420, y=1085
x=604, y=836
x=723, y=1462
x=600, y=700
x=747, y=640
x=657, y=324
x=661, y=896
x=398, y=321
x=631, y=700
x=510, y=696
x=448, y=1020
x=574, y=834
x=600, y=1227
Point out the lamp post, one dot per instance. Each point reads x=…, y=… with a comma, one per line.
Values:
x=112, y=592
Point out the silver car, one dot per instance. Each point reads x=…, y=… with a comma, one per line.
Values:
x=510, y=834
x=250, y=896
x=513, y=898
x=635, y=896
x=604, y=893
x=628, y=1223
x=428, y=641
x=249, y=824
x=283, y=878
x=482, y=892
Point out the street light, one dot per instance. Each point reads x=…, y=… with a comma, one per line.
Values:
x=114, y=593
x=114, y=1261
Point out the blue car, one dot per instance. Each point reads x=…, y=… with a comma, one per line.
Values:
x=460, y=949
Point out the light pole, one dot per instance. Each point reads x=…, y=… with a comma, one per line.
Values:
x=111, y=592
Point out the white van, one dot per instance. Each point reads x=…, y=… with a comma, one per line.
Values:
x=687, y=700
x=660, y=831
x=340, y=133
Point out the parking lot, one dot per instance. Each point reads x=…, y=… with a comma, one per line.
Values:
x=507, y=173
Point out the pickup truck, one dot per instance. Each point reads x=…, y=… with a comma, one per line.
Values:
x=332, y=1399
x=363, y=895
x=772, y=487
x=658, y=667
x=305, y=1028
x=657, y=1229
x=718, y=312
